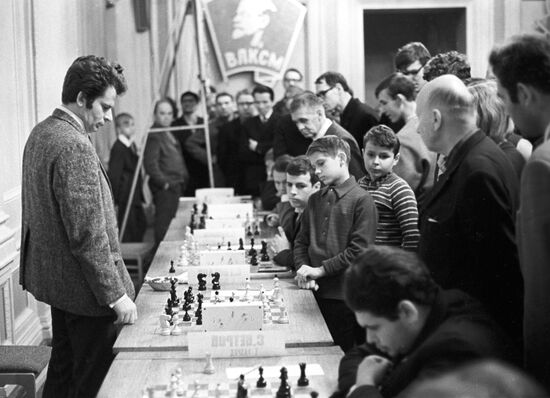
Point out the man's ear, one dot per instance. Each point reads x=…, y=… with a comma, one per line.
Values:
x=526, y=94
x=408, y=311
x=437, y=119
x=396, y=159
x=342, y=157
x=81, y=99
x=316, y=186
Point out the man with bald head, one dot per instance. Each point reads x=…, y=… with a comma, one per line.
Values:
x=467, y=221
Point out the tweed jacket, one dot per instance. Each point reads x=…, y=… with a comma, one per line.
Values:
x=70, y=254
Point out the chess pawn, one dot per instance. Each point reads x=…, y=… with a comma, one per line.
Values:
x=252, y=251
x=303, y=380
x=228, y=245
x=283, y=318
x=284, y=388
x=209, y=368
x=172, y=270
x=261, y=383
x=249, y=231
x=254, y=259
x=165, y=327
x=241, y=244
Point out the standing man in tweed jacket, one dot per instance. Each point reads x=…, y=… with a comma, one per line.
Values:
x=70, y=255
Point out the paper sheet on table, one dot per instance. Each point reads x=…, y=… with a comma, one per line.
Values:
x=312, y=369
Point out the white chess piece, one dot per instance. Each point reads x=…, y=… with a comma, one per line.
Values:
x=176, y=330
x=164, y=321
x=209, y=368
x=283, y=318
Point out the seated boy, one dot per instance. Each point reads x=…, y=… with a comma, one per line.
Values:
x=414, y=329
x=273, y=190
x=394, y=198
x=301, y=183
x=338, y=223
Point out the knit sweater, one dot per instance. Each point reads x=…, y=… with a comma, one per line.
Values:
x=397, y=211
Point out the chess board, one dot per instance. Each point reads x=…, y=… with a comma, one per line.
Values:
x=228, y=390
x=272, y=309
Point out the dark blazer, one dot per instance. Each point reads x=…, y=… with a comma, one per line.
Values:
x=253, y=161
x=70, y=255
x=356, y=164
x=228, y=149
x=122, y=165
x=287, y=220
x=357, y=118
x=467, y=235
x=287, y=139
x=457, y=330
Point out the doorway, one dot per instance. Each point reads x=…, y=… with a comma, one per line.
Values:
x=385, y=30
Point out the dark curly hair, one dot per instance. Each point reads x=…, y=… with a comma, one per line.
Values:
x=383, y=276
x=92, y=75
x=449, y=63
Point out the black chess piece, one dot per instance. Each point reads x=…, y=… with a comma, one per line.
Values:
x=228, y=245
x=172, y=270
x=265, y=256
x=199, y=305
x=284, y=388
x=219, y=246
x=204, y=209
x=314, y=394
x=241, y=244
x=252, y=251
x=202, y=281
x=261, y=383
x=174, y=300
x=216, y=281
x=186, y=317
x=242, y=388
x=190, y=295
x=257, y=230
x=249, y=231
x=195, y=209
x=198, y=314
x=303, y=380
x=192, y=222
x=254, y=259
x=202, y=223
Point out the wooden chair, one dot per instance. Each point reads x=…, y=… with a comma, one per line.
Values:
x=25, y=366
x=136, y=251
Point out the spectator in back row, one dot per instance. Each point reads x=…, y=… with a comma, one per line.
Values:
x=355, y=116
x=308, y=113
x=410, y=60
x=291, y=78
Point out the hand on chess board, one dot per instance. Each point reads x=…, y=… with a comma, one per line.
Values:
x=372, y=370
x=306, y=273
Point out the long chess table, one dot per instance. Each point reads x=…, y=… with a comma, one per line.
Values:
x=131, y=374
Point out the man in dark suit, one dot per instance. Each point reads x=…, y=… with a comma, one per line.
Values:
x=467, y=220
x=308, y=113
x=257, y=139
x=521, y=68
x=355, y=116
x=123, y=161
x=413, y=328
x=70, y=254
x=229, y=139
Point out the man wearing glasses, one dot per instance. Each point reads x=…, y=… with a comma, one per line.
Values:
x=291, y=78
x=410, y=60
x=355, y=116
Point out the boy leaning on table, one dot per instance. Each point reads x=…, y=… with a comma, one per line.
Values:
x=339, y=222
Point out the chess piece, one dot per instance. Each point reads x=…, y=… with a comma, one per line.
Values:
x=303, y=380
x=228, y=245
x=202, y=281
x=198, y=314
x=242, y=388
x=261, y=383
x=204, y=209
x=252, y=251
x=314, y=394
x=219, y=246
x=176, y=330
x=254, y=259
x=216, y=281
x=209, y=368
x=257, y=230
x=172, y=270
x=190, y=295
x=284, y=387
x=265, y=256
x=164, y=321
x=283, y=318
x=217, y=298
x=232, y=298
x=202, y=223
x=186, y=316
x=241, y=244
x=249, y=231
x=195, y=208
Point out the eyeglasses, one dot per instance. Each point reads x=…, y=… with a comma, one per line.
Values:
x=322, y=94
x=245, y=103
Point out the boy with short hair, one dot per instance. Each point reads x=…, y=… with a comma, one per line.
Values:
x=394, y=198
x=338, y=223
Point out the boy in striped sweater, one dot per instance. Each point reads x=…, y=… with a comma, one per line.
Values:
x=394, y=198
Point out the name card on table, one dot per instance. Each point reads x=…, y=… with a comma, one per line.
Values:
x=221, y=223
x=205, y=195
x=236, y=344
x=222, y=257
x=229, y=274
x=234, y=315
x=231, y=210
x=219, y=236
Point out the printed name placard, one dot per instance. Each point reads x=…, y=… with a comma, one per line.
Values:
x=222, y=257
x=229, y=344
x=222, y=223
x=205, y=195
x=230, y=210
x=219, y=236
x=234, y=315
x=229, y=274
